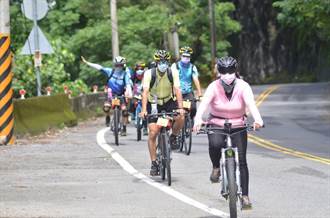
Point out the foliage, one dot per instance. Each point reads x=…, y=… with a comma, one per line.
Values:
x=300, y=14
x=308, y=22
x=83, y=28
x=52, y=70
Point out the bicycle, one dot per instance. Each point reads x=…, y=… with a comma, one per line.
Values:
x=138, y=119
x=186, y=132
x=115, y=124
x=163, y=146
x=229, y=165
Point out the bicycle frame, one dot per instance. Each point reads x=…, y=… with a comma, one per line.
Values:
x=229, y=151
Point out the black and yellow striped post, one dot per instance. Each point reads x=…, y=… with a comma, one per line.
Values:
x=6, y=92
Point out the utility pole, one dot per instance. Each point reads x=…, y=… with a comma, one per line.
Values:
x=175, y=36
x=6, y=76
x=4, y=17
x=114, y=28
x=213, y=35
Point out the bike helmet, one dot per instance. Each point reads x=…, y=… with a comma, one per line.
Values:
x=227, y=65
x=140, y=66
x=186, y=51
x=119, y=61
x=162, y=55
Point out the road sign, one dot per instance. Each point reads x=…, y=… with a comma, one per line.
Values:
x=31, y=45
x=34, y=9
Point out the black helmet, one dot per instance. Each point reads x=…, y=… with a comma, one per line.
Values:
x=227, y=65
x=162, y=55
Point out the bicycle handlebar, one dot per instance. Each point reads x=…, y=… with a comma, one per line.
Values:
x=213, y=130
x=174, y=113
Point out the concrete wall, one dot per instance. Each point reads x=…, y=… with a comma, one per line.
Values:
x=37, y=114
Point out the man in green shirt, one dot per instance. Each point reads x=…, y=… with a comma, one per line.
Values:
x=161, y=87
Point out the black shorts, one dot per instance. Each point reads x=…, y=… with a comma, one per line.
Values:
x=168, y=107
x=191, y=97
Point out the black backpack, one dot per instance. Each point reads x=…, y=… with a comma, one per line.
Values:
x=153, y=76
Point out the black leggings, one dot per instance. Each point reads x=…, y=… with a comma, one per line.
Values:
x=217, y=141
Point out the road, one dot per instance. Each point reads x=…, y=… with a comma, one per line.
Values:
x=70, y=175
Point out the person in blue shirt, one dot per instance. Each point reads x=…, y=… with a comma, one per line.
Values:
x=188, y=74
x=119, y=84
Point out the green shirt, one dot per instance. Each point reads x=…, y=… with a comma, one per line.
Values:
x=162, y=87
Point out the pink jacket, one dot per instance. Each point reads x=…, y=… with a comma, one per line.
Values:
x=218, y=105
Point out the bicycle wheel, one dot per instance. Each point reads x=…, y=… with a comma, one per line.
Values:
x=232, y=187
x=188, y=135
x=161, y=159
x=138, y=128
x=182, y=139
x=116, y=117
x=167, y=149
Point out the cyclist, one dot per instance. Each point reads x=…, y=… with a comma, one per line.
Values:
x=137, y=88
x=187, y=74
x=159, y=86
x=119, y=84
x=227, y=98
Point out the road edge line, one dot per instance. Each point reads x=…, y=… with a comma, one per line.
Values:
x=166, y=189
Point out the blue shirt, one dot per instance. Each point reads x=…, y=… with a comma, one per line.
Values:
x=186, y=74
x=118, y=81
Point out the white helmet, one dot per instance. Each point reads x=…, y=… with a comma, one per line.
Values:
x=119, y=60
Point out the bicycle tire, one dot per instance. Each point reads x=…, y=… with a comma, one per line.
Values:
x=232, y=187
x=188, y=135
x=138, y=129
x=182, y=139
x=116, y=125
x=162, y=163
x=168, y=160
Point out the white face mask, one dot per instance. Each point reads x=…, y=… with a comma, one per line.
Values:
x=162, y=67
x=185, y=60
x=119, y=69
x=228, y=78
x=139, y=72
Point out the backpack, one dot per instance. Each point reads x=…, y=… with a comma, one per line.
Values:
x=111, y=74
x=153, y=76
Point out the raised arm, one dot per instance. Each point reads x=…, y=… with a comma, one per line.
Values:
x=96, y=66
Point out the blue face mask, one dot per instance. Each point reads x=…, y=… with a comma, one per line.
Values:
x=162, y=67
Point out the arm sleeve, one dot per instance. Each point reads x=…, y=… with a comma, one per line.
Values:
x=175, y=74
x=208, y=97
x=106, y=71
x=250, y=103
x=95, y=66
x=195, y=73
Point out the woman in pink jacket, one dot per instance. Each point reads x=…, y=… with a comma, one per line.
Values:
x=228, y=98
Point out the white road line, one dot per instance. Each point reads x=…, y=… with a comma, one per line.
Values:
x=166, y=189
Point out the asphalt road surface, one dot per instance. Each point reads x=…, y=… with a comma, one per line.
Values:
x=69, y=174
